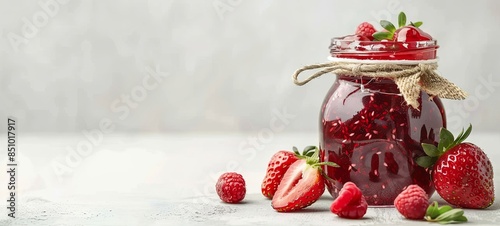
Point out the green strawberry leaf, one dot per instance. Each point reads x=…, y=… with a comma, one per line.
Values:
x=446, y=139
x=462, y=138
x=388, y=26
x=381, y=35
x=416, y=24
x=461, y=219
x=314, y=158
x=447, y=222
x=430, y=150
x=459, y=136
x=296, y=151
x=426, y=161
x=444, y=209
x=402, y=19
x=444, y=214
x=450, y=215
x=309, y=151
x=432, y=211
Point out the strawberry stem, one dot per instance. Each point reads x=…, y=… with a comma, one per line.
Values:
x=315, y=162
x=332, y=164
x=314, y=159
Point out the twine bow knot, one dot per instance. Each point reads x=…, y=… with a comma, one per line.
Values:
x=410, y=79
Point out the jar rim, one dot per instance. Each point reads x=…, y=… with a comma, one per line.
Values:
x=340, y=45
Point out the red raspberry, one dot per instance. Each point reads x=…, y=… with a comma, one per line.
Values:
x=366, y=29
x=231, y=187
x=354, y=211
x=412, y=203
x=350, y=203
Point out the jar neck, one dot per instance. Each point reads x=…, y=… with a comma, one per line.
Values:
x=374, y=85
x=366, y=80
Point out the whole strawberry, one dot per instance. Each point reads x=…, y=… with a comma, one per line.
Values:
x=278, y=165
x=231, y=187
x=462, y=173
x=412, y=203
x=366, y=29
x=302, y=184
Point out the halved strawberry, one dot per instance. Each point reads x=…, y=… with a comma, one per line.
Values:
x=302, y=184
x=278, y=165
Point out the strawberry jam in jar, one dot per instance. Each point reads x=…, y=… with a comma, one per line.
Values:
x=369, y=130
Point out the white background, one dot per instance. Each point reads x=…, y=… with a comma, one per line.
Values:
x=228, y=63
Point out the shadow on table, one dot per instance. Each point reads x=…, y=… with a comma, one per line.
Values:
x=309, y=210
x=495, y=206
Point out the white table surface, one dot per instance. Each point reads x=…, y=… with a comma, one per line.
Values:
x=169, y=179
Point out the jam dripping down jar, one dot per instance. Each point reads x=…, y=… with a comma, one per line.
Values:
x=369, y=130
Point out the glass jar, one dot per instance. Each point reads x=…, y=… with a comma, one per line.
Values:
x=367, y=128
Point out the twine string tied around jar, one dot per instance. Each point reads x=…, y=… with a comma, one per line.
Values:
x=410, y=76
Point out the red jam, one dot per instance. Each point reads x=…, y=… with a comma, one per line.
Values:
x=367, y=128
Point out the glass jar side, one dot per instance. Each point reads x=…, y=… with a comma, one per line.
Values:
x=367, y=128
